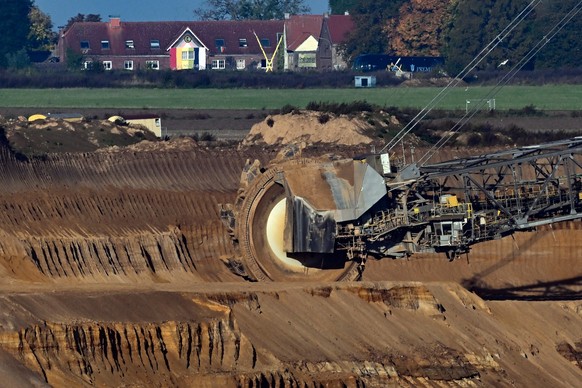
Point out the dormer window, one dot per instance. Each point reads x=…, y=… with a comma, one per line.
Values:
x=155, y=44
x=85, y=45
x=219, y=43
x=129, y=44
x=265, y=42
x=105, y=45
x=242, y=42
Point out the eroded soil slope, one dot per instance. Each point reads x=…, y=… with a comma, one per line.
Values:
x=114, y=271
x=121, y=212
x=364, y=334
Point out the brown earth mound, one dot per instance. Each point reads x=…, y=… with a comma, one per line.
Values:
x=309, y=128
x=41, y=137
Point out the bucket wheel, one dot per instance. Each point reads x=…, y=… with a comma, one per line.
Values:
x=260, y=226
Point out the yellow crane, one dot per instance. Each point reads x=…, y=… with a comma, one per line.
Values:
x=269, y=61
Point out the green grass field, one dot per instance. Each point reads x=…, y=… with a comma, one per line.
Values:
x=550, y=97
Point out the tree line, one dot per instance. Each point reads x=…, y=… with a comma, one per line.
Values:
x=455, y=29
x=460, y=29
x=24, y=29
x=27, y=31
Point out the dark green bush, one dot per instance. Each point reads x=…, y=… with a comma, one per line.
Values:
x=323, y=118
x=207, y=136
x=341, y=108
x=285, y=109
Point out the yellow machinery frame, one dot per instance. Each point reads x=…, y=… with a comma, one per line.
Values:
x=269, y=61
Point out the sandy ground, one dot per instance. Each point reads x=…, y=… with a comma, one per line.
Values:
x=224, y=124
x=113, y=273
x=236, y=124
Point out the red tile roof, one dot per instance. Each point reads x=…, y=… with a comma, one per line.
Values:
x=300, y=27
x=339, y=27
x=166, y=32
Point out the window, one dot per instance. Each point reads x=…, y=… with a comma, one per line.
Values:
x=155, y=44
x=85, y=45
x=263, y=64
x=105, y=45
x=219, y=43
x=129, y=44
x=128, y=65
x=279, y=36
x=242, y=42
x=107, y=65
x=265, y=42
x=307, y=60
x=88, y=65
x=188, y=55
x=240, y=64
x=154, y=65
x=218, y=64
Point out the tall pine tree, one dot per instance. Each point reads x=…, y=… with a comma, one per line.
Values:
x=464, y=35
x=475, y=23
x=518, y=42
x=15, y=26
x=339, y=7
x=565, y=49
x=371, y=19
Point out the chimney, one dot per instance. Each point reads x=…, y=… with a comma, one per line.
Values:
x=287, y=15
x=114, y=21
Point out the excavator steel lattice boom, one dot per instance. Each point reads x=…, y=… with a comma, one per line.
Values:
x=320, y=220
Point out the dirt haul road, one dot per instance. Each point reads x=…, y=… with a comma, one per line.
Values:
x=113, y=272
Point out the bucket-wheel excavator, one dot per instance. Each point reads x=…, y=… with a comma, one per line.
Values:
x=321, y=219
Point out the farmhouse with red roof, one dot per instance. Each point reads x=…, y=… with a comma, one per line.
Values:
x=312, y=41
x=309, y=42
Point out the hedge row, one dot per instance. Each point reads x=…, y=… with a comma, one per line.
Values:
x=58, y=77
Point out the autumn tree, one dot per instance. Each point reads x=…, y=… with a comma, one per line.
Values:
x=41, y=35
x=418, y=28
x=15, y=27
x=250, y=9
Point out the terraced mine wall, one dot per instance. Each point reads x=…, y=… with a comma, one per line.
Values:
x=370, y=334
x=108, y=214
x=112, y=273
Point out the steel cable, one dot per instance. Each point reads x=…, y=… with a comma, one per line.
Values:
x=462, y=74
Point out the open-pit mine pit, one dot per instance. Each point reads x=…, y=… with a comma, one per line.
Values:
x=117, y=270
